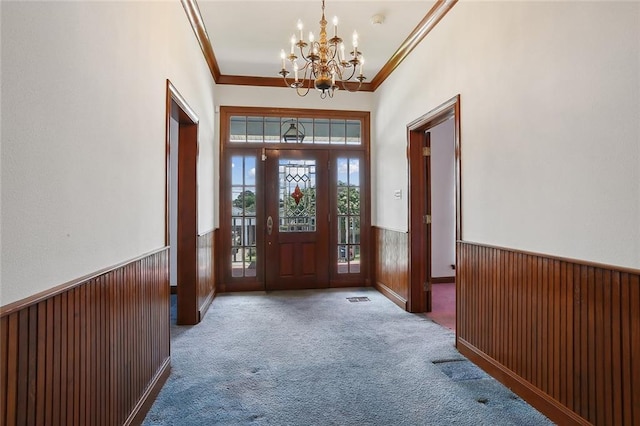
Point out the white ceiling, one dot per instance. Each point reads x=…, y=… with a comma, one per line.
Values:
x=247, y=36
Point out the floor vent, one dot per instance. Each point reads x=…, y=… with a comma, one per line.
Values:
x=358, y=299
x=461, y=369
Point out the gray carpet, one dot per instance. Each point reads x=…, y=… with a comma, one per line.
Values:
x=316, y=358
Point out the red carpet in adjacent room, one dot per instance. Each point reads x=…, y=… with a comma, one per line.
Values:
x=443, y=305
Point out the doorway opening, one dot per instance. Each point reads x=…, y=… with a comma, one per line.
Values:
x=434, y=210
x=181, y=206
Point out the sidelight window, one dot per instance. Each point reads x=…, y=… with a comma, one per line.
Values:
x=243, y=216
x=348, y=214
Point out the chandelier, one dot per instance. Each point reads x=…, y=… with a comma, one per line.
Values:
x=324, y=66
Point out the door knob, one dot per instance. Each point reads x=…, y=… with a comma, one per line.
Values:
x=269, y=225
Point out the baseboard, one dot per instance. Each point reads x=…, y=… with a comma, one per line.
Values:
x=205, y=306
x=541, y=401
x=149, y=396
x=391, y=295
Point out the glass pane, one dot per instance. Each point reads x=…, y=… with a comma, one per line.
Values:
x=353, y=132
x=249, y=170
x=237, y=167
x=354, y=264
x=354, y=171
x=237, y=205
x=342, y=229
x=295, y=131
x=306, y=125
x=255, y=130
x=250, y=262
x=236, y=231
x=354, y=200
x=238, y=129
x=338, y=131
x=297, y=195
x=247, y=201
x=236, y=247
x=272, y=129
x=343, y=171
x=354, y=229
x=321, y=130
x=343, y=265
x=343, y=200
x=342, y=253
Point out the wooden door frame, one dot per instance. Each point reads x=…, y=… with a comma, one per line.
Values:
x=418, y=240
x=187, y=291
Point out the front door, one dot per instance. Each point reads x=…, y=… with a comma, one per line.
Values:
x=297, y=219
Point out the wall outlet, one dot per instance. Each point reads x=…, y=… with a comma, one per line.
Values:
x=397, y=194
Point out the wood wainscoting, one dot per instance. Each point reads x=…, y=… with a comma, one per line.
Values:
x=563, y=334
x=206, y=281
x=391, y=264
x=94, y=351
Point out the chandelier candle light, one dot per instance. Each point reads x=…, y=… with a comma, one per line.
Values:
x=324, y=64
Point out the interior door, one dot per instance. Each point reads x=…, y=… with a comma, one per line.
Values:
x=297, y=219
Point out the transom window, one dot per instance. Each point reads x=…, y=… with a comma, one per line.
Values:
x=256, y=129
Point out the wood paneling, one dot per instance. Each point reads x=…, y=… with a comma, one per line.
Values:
x=564, y=334
x=206, y=272
x=391, y=264
x=93, y=353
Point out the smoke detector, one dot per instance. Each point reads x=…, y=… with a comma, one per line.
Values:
x=377, y=19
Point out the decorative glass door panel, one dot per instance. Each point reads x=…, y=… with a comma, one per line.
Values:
x=297, y=217
x=297, y=195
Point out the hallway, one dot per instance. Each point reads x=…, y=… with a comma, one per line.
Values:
x=347, y=357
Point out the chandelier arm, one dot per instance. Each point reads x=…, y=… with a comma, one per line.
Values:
x=284, y=74
x=307, y=75
x=353, y=72
x=302, y=55
x=300, y=93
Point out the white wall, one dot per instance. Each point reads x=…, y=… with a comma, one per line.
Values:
x=443, y=204
x=550, y=98
x=83, y=135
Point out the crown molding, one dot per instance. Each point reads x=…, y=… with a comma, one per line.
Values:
x=195, y=18
x=431, y=19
